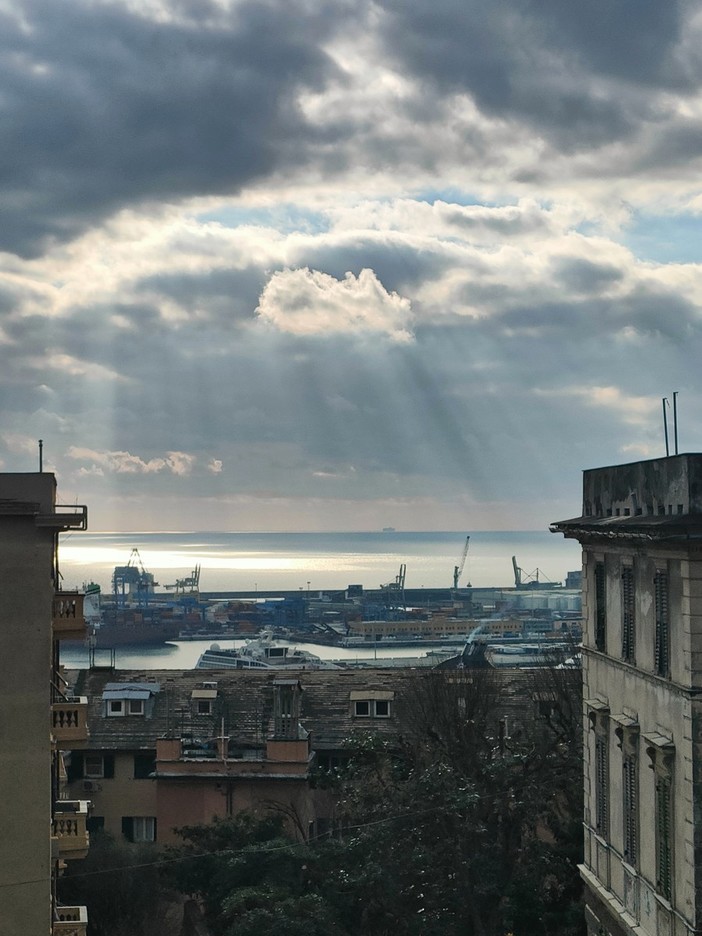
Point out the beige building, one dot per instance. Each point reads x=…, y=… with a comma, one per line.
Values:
x=40, y=830
x=641, y=533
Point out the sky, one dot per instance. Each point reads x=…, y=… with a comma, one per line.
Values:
x=333, y=265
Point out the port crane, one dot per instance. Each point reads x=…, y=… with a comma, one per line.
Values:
x=524, y=579
x=132, y=580
x=394, y=592
x=458, y=570
x=189, y=585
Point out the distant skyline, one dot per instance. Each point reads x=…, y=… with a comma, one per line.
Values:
x=320, y=265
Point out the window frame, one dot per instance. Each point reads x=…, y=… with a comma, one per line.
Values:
x=602, y=785
x=600, y=576
x=97, y=772
x=628, y=616
x=372, y=708
x=630, y=798
x=661, y=602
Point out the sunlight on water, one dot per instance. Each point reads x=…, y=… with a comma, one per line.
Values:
x=255, y=561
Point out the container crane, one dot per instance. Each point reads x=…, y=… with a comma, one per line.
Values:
x=458, y=570
x=191, y=583
x=394, y=592
x=132, y=580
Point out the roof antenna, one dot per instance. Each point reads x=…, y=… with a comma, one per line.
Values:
x=675, y=419
x=41, y=455
x=665, y=426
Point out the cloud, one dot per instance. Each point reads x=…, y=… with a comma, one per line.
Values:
x=176, y=463
x=106, y=107
x=307, y=302
x=438, y=255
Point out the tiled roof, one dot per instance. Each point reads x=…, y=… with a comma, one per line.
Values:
x=244, y=702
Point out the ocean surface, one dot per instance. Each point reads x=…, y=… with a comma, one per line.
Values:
x=317, y=561
x=308, y=561
x=184, y=654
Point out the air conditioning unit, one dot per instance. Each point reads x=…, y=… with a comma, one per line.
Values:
x=91, y=786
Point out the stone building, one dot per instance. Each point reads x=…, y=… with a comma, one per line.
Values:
x=41, y=829
x=641, y=533
x=170, y=748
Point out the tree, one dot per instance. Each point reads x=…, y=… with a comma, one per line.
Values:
x=467, y=823
x=120, y=882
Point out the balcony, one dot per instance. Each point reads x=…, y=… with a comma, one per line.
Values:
x=69, y=720
x=69, y=828
x=67, y=616
x=65, y=517
x=70, y=921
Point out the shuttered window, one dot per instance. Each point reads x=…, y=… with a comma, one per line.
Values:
x=664, y=833
x=628, y=624
x=600, y=607
x=662, y=645
x=630, y=789
x=602, y=784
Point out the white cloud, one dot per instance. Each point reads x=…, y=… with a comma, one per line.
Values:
x=177, y=463
x=307, y=302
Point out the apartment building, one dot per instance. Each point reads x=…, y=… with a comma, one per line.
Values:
x=641, y=534
x=40, y=829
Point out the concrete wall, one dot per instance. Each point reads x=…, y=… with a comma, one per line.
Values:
x=26, y=590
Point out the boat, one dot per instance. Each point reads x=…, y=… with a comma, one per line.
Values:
x=263, y=652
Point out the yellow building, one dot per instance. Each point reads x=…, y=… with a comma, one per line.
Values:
x=39, y=713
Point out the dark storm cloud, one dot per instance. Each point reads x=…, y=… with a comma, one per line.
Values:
x=584, y=276
x=102, y=108
x=400, y=265
x=567, y=70
x=228, y=295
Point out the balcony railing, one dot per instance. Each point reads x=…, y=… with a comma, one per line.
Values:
x=65, y=517
x=70, y=921
x=69, y=827
x=69, y=720
x=67, y=615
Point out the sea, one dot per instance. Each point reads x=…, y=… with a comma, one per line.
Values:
x=311, y=562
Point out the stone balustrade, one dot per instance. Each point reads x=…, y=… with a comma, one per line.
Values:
x=69, y=827
x=70, y=921
x=69, y=720
x=67, y=616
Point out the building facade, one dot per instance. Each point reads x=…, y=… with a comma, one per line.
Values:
x=40, y=828
x=641, y=534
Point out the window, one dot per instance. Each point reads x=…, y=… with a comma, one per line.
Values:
x=139, y=828
x=89, y=766
x=662, y=754
x=95, y=824
x=602, y=778
x=630, y=792
x=204, y=706
x=664, y=836
x=372, y=708
x=628, y=622
x=93, y=766
x=662, y=644
x=600, y=607
x=119, y=707
x=144, y=766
